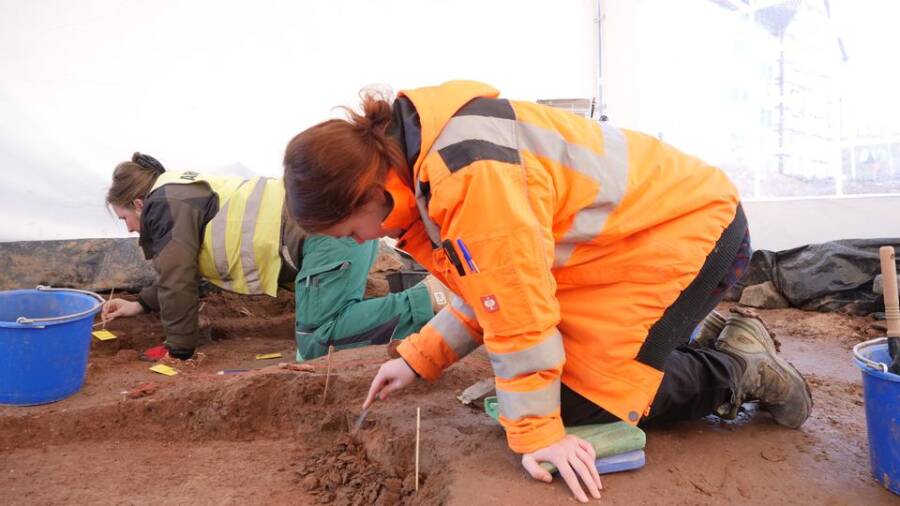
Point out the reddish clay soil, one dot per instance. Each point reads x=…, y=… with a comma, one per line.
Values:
x=131, y=436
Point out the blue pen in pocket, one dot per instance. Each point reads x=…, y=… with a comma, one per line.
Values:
x=468, y=256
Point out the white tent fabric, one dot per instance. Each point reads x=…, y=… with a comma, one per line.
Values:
x=223, y=85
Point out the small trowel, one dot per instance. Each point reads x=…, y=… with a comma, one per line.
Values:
x=361, y=419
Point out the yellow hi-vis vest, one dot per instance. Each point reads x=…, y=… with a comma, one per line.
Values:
x=240, y=250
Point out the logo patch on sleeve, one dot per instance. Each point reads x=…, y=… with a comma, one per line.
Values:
x=490, y=304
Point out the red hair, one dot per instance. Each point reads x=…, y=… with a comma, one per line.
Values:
x=333, y=169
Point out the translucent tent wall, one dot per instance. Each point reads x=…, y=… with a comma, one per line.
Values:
x=223, y=85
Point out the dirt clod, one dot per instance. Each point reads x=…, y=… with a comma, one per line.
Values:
x=333, y=422
x=393, y=485
x=293, y=366
x=773, y=454
x=310, y=483
x=123, y=356
x=344, y=471
x=409, y=484
x=388, y=498
x=145, y=389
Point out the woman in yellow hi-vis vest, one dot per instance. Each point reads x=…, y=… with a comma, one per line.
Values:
x=583, y=257
x=233, y=232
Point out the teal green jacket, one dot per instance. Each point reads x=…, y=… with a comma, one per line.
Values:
x=330, y=305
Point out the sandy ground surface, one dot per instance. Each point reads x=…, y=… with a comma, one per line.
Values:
x=266, y=437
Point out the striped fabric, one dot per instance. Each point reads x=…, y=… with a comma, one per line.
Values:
x=240, y=250
x=487, y=129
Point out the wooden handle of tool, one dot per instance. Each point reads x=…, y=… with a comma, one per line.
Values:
x=891, y=305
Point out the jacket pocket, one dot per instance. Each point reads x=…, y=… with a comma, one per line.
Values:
x=500, y=300
x=320, y=292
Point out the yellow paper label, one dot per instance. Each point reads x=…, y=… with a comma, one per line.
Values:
x=266, y=356
x=164, y=369
x=103, y=335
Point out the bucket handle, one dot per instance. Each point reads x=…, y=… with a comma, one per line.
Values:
x=870, y=363
x=22, y=320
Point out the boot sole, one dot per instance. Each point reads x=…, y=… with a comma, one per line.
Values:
x=794, y=373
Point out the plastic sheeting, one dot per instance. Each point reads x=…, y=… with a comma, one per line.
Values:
x=832, y=276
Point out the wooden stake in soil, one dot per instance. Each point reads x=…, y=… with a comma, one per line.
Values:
x=327, y=374
x=418, y=423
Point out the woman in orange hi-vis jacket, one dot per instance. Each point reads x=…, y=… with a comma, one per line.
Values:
x=583, y=257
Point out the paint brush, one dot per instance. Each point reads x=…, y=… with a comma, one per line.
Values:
x=105, y=305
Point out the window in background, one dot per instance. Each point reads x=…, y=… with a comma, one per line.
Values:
x=792, y=98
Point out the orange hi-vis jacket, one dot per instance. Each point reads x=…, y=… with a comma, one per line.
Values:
x=580, y=236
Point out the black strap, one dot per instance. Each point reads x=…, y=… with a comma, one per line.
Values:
x=680, y=319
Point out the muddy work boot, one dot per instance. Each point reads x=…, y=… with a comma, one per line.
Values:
x=710, y=328
x=767, y=378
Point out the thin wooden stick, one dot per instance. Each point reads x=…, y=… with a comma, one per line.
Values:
x=328, y=374
x=418, y=423
x=105, y=305
x=202, y=305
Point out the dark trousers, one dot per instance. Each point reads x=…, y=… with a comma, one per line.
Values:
x=695, y=381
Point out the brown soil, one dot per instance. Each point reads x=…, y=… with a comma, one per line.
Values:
x=131, y=436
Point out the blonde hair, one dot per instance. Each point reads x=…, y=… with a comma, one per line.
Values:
x=133, y=180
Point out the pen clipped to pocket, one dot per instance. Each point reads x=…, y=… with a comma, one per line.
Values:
x=473, y=267
x=447, y=245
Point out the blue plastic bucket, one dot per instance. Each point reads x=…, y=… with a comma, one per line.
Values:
x=45, y=336
x=881, y=392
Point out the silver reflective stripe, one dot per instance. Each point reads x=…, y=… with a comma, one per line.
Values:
x=462, y=128
x=454, y=333
x=562, y=253
x=515, y=405
x=219, y=225
x=547, y=354
x=461, y=306
x=484, y=128
x=610, y=170
x=248, y=228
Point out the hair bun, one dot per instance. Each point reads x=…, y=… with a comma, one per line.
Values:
x=148, y=162
x=376, y=110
